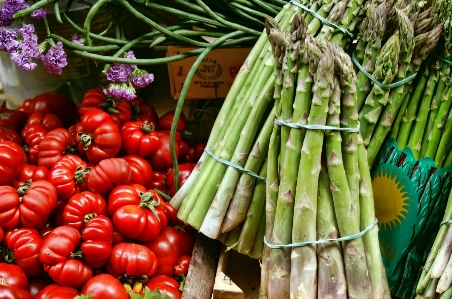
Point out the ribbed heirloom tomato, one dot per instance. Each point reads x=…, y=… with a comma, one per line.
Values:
x=30, y=172
x=98, y=136
x=59, y=245
x=50, y=121
x=71, y=273
x=11, y=292
x=32, y=136
x=13, y=275
x=12, y=119
x=55, y=145
x=132, y=259
x=11, y=160
x=162, y=158
x=119, y=110
x=24, y=245
x=10, y=135
x=139, y=138
x=169, y=247
x=137, y=213
x=29, y=206
x=141, y=170
x=143, y=111
x=165, y=284
x=69, y=175
x=108, y=174
x=55, y=291
x=81, y=207
x=97, y=241
x=105, y=286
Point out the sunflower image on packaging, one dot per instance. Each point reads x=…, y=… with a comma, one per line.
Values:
x=410, y=200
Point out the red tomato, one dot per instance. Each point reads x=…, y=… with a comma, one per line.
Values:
x=12, y=119
x=25, y=245
x=108, y=174
x=7, y=134
x=163, y=280
x=182, y=265
x=69, y=175
x=183, y=149
x=9, y=292
x=13, y=275
x=119, y=110
x=105, y=286
x=168, y=247
x=55, y=291
x=26, y=106
x=58, y=104
x=59, y=245
x=159, y=181
x=141, y=170
x=184, y=173
x=119, y=238
x=166, y=120
x=55, y=145
x=97, y=241
x=11, y=160
x=143, y=111
x=2, y=234
x=83, y=206
x=139, y=138
x=137, y=214
x=98, y=136
x=162, y=158
x=199, y=149
x=29, y=206
x=36, y=284
x=131, y=259
x=30, y=172
x=32, y=136
x=171, y=214
x=71, y=273
x=50, y=121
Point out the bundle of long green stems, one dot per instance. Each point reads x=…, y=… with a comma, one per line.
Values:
x=424, y=122
x=395, y=40
x=436, y=277
x=219, y=200
x=319, y=187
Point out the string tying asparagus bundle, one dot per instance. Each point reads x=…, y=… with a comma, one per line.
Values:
x=328, y=195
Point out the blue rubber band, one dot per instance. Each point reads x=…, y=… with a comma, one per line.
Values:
x=446, y=222
x=238, y=167
x=323, y=241
x=392, y=85
x=315, y=127
x=325, y=21
x=445, y=60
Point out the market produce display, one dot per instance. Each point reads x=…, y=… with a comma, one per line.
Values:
x=84, y=213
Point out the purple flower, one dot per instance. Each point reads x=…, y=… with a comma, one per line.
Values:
x=119, y=73
x=9, y=9
x=8, y=39
x=77, y=40
x=55, y=59
x=38, y=14
x=120, y=91
x=142, y=81
x=21, y=44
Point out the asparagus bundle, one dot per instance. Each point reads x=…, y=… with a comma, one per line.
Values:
x=217, y=197
x=330, y=186
x=425, y=29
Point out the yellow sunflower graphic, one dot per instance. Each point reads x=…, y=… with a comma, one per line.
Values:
x=390, y=199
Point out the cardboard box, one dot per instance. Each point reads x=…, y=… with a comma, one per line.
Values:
x=214, y=76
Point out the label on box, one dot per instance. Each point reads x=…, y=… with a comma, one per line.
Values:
x=214, y=76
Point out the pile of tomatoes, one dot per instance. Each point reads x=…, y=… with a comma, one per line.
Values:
x=81, y=207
